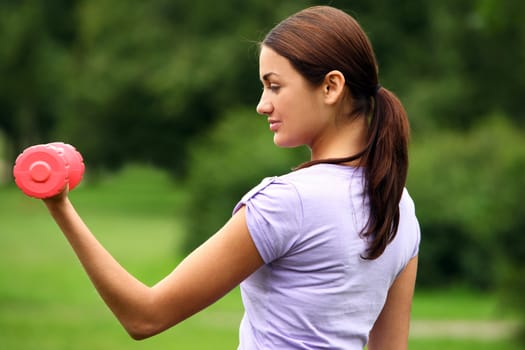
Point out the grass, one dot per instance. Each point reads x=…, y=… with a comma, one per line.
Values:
x=457, y=304
x=461, y=344
x=47, y=302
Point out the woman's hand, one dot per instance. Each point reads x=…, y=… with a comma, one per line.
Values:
x=53, y=201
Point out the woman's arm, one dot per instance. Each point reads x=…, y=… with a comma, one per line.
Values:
x=390, y=331
x=204, y=276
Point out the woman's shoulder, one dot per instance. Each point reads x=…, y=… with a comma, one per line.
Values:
x=406, y=204
x=272, y=192
x=322, y=172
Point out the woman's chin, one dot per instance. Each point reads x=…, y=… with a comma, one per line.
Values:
x=282, y=142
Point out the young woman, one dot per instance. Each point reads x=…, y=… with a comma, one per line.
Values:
x=326, y=255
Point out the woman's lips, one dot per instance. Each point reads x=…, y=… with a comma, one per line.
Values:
x=274, y=124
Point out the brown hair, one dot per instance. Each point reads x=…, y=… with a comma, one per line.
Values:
x=320, y=39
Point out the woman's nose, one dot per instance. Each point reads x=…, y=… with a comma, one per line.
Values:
x=264, y=107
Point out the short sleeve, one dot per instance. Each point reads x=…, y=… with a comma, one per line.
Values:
x=407, y=209
x=274, y=217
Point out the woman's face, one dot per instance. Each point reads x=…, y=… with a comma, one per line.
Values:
x=292, y=104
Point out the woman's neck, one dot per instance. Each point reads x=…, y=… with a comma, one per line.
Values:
x=341, y=142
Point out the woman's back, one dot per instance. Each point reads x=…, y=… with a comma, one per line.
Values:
x=316, y=290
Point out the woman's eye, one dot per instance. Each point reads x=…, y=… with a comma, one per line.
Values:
x=274, y=87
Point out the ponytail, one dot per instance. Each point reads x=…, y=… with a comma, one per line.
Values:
x=385, y=162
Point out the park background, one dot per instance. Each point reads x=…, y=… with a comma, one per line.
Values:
x=159, y=97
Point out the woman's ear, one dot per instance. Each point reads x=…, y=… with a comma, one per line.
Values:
x=333, y=86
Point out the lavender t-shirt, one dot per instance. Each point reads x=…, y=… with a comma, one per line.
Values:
x=315, y=291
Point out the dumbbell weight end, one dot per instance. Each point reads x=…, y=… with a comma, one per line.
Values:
x=42, y=171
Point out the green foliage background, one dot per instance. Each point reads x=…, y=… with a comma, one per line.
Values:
x=174, y=84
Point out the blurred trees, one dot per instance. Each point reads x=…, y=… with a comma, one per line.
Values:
x=149, y=76
x=453, y=62
x=175, y=83
x=468, y=187
x=126, y=80
x=36, y=38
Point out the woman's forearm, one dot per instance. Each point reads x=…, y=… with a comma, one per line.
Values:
x=128, y=298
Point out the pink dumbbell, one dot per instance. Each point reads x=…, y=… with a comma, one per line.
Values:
x=42, y=171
